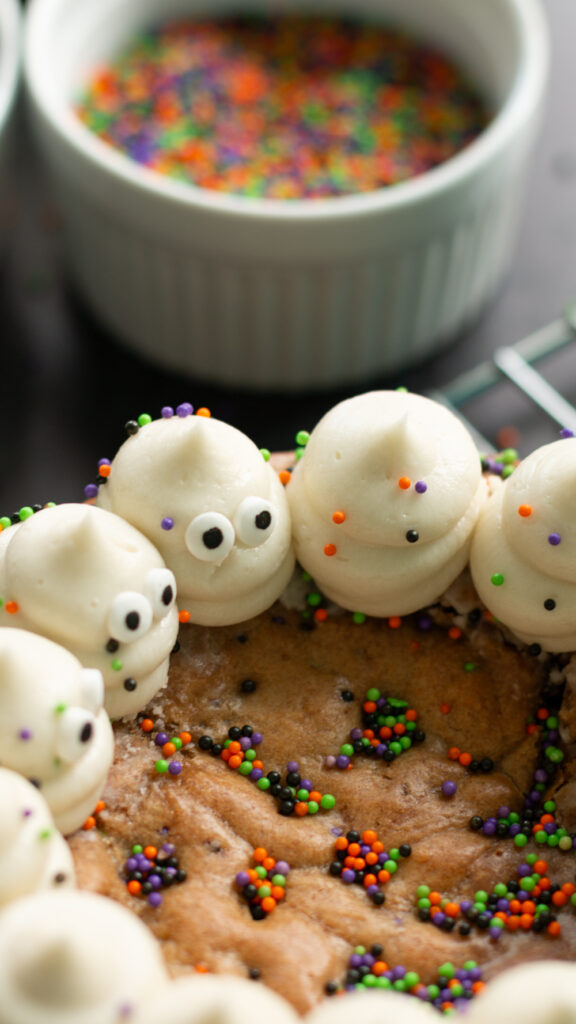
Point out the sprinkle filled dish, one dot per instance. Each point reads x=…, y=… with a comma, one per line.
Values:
x=283, y=106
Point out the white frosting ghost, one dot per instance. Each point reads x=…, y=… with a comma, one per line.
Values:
x=523, y=556
x=216, y=999
x=543, y=992
x=33, y=854
x=91, y=582
x=384, y=502
x=373, y=1008
x=53, y=728
x=75, y=958
x=203, y=494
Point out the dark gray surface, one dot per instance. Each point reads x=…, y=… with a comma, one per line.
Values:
x=66, y=388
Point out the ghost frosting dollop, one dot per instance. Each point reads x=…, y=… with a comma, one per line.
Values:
x=523, y=556
x=201, y=491
x=33, y=854
x=205, y=999
x=384, y=501
x=75, y=958
x=89, y=581
x=53, y=728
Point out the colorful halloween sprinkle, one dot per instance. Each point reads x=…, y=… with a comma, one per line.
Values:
x=282, y=107
x=149, y=869
x=389, y=728
x=362, y=859
x=263, y=886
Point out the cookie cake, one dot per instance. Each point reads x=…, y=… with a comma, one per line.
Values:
x=357, y=772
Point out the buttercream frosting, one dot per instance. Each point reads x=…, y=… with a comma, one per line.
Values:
x=90, y=581
x=373, y=1008
x=538, y=993
x=216, y=999
x=203, y=494
x=53, y=728
x=75, y=958
x=384, y=501
x=33, y=854
x=523, y=555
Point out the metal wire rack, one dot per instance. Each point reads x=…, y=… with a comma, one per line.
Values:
x=515, y=364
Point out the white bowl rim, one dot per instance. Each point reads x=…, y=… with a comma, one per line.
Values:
x=11, y=52
x=521, y=103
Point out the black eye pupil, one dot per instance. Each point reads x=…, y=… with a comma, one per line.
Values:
x=263, y=520
x=86, y=732
x=130, y=685
x=167, y=595
x=132, y=620
x=213, y=538
x=412, y=536
x=549, y=604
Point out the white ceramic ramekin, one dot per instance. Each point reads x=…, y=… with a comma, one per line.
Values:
x=10, y=54
x=289, y=294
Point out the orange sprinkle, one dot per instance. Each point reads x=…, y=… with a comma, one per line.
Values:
x=183, y=615
x=185, y=738
x=415, y=645
x=258, y=764
x=447, y=1006
x=546, y=819
x=404, y=483
x=569, y=888
x=12, y=607
x=369, y=735
x=544, y=884
x=301, y=808
x=529, y=907
x=203, y=412
x=371, y=858
x=513, y=923
x=379, y=967
x=268, y=904
x=235, y=761
x=320, y=615
x=315, y=795
x=341, y=843
x=445, y=709
x=354, y=849
x=100, y=806
x=540, y=867
x=369, y=837
x=369, y=706
x=359, y=864
x=465, y=760
x=225, y=754
x=435, y=898
x=515, y=906
x=134, y=887
x=383, y=876
x=524, y=511
x=526, y=921
x=201, y=968
x=259, y=854
x=268, y=863
x=284, y=476
x=559, y=899
x=253, y=875
x=104, y=470
x=330, y=549
x=542, y=714
x=411, y=715
x=394, y=622
x=454, y=752
x=150, y=852
x=454, y=632
x=147, y=725
x=278, y=893
x=168, y=749
x=385, y=732
x=554, y=928
x=234, y=747
x=452, y=910
x=478, y=987
x=531, y=729
x=369, y=880
x=378, y=847
x=89, y=823
x=399, y=728
x=338, y=517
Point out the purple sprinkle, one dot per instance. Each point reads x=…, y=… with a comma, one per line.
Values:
x=155, y=880
x=168, y=849
x=306, y=784
x=25, y=734
x=256, y=738
x=242, y=879
x=553, y=736
x=475, y=973
x=355, y=960
x=489, y=828
x=381, y=749
x=495, y=932
x=502, y=904
x=154, y=899
x=466, y=905
x=522, y=896
x=144, y=864
x=439, y=918
x=540, y=775
x=161, y=738
x=554, y=539
x=565, y=432
x=524, y=870
x=103, y=462
x=185, y=409
x=420, y=487
x=398, y=973
x=550, y=828
x=329, y=762
x=131, y=864
x=126, y=1010
x=424, y=623
x=342, y=761
x=370, y=892
x=166, y=412
x=174, y=768
x=514, y=829
x=503, y=812
x=91, y=491
x=292, y=766
x=356, y=734
x=535, y=797
x=348, y=876
x=27, y=813
x=256, y=774
x=167, y=523
x=245, y=743
x=282, y=867
x=368, y=960
x=449, y=787
x=172, y=872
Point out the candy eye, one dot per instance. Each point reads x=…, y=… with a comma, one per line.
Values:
x=254, y=521
x=74, y=732
x=130, y=616
x=210, y=537
x=160, y=590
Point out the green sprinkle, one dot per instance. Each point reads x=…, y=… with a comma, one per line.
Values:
x=303, y=794
x=507, y=471
x=469, y=666
x=177, y=742
x=144, y=419
x=521, y=840
x=423, y=890
x=347, y=749
x=411, y=978
x=5, y=522
x=46, y=833
x=372, y=694
x=302, y=438
x=25, y=512
x=327, y=802
x=264, y=891
x=314, y=599
x=358, y=618
x=116, y=665
x=263, y=783
x=137, y=848
x=60, y=708
x=497, y=579
x=531, y=858
x=313, y=807
x=508, y=455
x=265, y=453
x=161, y=767
x=446, y=970
x=279, y=880
x=305, y=576
x=565, y=843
